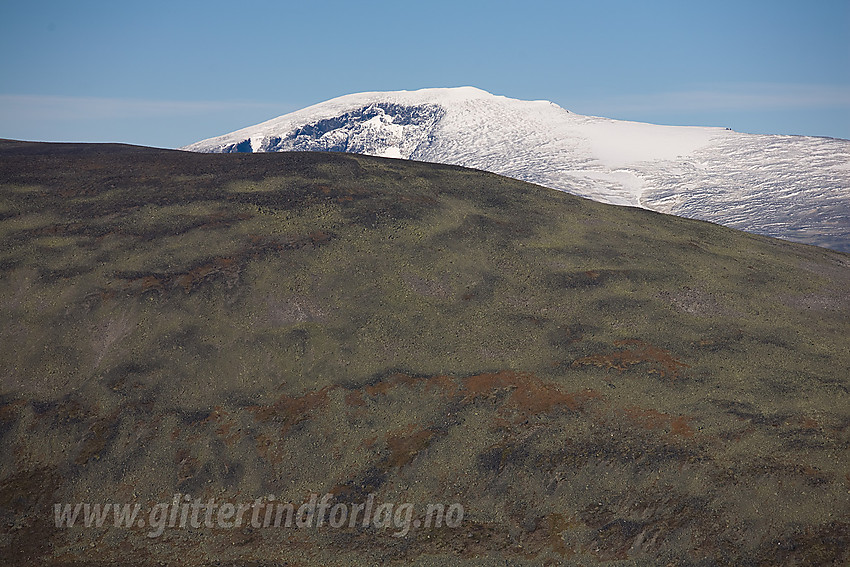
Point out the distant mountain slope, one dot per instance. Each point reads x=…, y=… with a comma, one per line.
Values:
x=594, y=385
x=791, y=187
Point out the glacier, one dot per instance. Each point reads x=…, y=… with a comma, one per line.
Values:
x=791, y=187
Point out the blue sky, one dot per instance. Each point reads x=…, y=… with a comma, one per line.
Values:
x=170, y=73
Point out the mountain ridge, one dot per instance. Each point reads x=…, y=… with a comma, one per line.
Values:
x=792, y=187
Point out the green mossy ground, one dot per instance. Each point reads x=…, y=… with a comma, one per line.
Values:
x=592, y=383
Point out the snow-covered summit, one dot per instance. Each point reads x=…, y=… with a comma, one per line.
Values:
x=792, y=187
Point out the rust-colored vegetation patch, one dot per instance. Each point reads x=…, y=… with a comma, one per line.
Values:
x=447, y=385
x=654, y=419
x=222, y=268
x=225, y=424
x=188, y=281
x=200, y=274
x=521, y=392
x=633, y=352
x=405, y=445
x=355, y=399
x=528, y=394
x=556, y=525
x=384, y=386
x=547, y=536
x=290, y=411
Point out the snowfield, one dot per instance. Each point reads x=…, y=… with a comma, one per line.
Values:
x=791, y=187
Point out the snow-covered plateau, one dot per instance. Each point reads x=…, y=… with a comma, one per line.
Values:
x=792, y=187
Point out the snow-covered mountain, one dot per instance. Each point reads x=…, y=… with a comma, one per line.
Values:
x=792, y=187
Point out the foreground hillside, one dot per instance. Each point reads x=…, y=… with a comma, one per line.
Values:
x=588, y=382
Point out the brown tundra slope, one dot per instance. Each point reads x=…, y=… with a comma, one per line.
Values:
x=592, y=384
